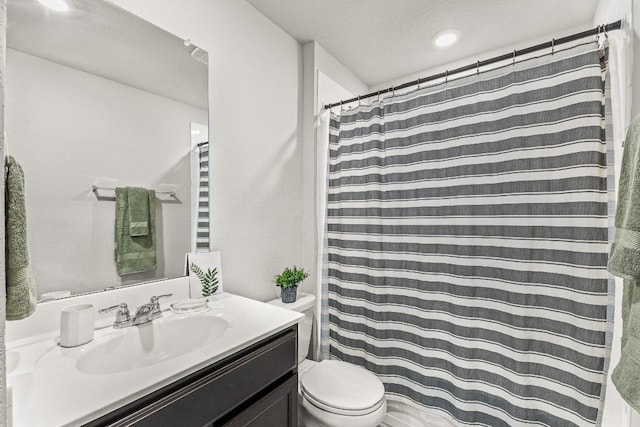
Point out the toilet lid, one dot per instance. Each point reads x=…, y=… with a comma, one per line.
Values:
x=342, y=388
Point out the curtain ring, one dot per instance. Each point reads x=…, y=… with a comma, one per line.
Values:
x=553, y=46
x=393, y=92
x=419, y=83
x=358, y=100
x=378, y=96
x=514, y=57
x=478, y=68
x=604, y=30
x=598, y=34
x=446, y=77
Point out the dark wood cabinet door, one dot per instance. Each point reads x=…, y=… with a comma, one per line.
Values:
x=277, y=409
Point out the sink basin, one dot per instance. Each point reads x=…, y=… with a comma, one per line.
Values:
x=58, y=386
x=152, y=343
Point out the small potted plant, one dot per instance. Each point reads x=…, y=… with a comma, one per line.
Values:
x=289, y=280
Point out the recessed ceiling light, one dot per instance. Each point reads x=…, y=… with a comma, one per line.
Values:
x=57, y=5
x=446, y=38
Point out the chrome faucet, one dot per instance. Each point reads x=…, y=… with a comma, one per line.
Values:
x=144, y=314
x=123, y=318
x=150, y=311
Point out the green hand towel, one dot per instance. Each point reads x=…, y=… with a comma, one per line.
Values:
x=134, y=253
x=138, y=201
x=21, y=286
x=624, y=261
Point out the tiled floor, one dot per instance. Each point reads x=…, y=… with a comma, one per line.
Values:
x=402, y=415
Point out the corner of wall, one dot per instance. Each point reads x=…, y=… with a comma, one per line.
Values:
x=309, y=164
x=333, y=68
x=316, y=60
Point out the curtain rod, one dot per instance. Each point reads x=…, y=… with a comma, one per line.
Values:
x=554, y=42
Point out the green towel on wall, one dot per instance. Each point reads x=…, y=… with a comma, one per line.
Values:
x=135, y=252
x=138, y=203
x=624, y=261
x=21, y=286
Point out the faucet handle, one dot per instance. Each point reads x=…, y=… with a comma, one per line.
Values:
x=123, y=306
x=155, y=299
x=123, y=318
x=155, y=305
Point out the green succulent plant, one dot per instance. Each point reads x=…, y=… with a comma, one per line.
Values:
x=290, y=277
x=209, y=279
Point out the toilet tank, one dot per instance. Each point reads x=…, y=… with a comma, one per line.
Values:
x=305, y=304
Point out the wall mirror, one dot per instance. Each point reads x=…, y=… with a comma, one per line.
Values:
x=96, y=96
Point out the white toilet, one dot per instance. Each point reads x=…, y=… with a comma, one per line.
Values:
x=333, y=393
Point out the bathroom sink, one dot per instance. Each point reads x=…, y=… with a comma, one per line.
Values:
x=155, y=342
x=70, y=386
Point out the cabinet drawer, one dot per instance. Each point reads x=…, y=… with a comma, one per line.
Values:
x=215, y=391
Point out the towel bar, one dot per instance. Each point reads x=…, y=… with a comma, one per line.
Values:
x=95, y=189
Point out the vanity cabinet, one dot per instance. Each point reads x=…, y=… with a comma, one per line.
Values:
x=257, y=386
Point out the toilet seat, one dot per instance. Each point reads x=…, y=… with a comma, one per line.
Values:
x=342, y=388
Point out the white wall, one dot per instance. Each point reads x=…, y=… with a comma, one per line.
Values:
x=611, y=10
x=70, y=129
x=328, y=65
x=256, y=168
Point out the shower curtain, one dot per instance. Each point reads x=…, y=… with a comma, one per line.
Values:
x=466, y=244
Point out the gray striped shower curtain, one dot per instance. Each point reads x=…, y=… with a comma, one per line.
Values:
x=467, y=244
x=203, y=237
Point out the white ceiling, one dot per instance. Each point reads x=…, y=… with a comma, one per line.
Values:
x=382, y=40
x=102, y=39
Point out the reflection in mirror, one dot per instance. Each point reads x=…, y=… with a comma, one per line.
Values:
x=98, y=97
x=200, y=185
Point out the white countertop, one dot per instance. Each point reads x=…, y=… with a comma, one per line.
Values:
x=46, y=388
